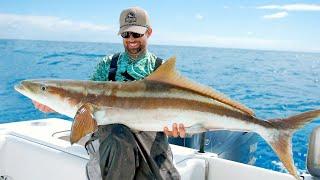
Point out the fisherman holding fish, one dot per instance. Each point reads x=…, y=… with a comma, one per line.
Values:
x=115, y=151
x=156, y=99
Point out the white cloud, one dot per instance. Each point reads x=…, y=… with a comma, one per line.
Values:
x=199, y=17
x=50, y=28
x=293, y=7
x=216, y=41
x=249, y=33
x=243, y=42
x=276, y=15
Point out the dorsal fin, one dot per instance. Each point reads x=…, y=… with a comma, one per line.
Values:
x=167, y=73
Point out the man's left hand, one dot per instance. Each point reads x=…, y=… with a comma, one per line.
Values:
x=176, y=131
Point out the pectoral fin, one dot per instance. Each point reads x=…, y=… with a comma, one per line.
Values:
x=84, y=123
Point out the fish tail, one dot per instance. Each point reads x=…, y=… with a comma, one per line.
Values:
x=281, y=138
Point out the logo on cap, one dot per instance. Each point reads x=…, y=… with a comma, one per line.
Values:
x=131, y=18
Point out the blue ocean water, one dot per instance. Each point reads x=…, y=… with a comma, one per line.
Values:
x=275, y=84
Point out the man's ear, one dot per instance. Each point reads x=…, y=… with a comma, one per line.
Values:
x=149, y=32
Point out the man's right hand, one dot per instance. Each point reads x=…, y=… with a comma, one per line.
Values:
x=176, y=131
x=42, y=107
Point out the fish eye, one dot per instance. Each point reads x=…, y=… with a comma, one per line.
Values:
x=43, y=88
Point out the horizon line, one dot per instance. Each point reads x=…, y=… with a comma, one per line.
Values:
x=175, y=45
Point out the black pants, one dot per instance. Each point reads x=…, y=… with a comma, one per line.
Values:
x=126, y=155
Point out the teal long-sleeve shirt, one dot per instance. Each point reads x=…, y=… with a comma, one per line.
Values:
x=138, y=69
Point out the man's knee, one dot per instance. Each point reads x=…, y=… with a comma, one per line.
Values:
x=117, y=141
x=116, y=133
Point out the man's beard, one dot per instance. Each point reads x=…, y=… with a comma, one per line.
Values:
x=136, y=52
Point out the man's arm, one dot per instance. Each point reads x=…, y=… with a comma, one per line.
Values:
x=101, y=72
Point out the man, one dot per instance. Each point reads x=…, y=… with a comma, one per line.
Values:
x=116, y=152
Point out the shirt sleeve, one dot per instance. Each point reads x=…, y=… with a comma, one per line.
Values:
x=102, y=69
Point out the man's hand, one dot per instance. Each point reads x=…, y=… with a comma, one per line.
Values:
x=42, y=107
x=176, y=132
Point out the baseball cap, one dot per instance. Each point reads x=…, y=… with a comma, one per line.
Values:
x=134, y=19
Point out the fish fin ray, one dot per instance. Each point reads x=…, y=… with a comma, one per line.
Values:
x=297, y=121
x=282, y=146
x=83, y=122
x=167, y=73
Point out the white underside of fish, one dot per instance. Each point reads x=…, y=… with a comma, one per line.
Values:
x=157, y=119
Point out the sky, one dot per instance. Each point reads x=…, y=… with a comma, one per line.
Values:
x=269, y=25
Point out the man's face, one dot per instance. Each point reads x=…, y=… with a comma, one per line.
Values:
x=137, y=46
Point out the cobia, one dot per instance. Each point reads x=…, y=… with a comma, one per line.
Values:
x=161, y=99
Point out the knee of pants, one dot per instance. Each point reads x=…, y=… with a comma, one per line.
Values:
x=117, y=134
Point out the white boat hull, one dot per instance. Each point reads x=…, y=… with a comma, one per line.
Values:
x=39, y=149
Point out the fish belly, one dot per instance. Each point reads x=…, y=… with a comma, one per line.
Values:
x=157, y=119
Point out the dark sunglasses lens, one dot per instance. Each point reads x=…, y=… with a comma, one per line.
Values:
x=125, y=35
x=134, y=35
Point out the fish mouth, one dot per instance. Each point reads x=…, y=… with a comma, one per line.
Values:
x=24, y=88
x=20, y=87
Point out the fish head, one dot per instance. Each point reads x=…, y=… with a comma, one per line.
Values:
x=55, y=94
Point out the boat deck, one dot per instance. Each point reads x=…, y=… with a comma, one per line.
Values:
x=39, y=149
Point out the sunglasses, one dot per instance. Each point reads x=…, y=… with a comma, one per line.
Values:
x=134, y=35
